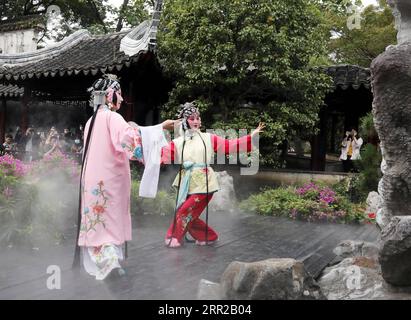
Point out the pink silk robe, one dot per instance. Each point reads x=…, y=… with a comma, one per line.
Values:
x=107, y=180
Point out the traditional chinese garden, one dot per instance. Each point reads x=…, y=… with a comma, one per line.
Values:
x=311, y=70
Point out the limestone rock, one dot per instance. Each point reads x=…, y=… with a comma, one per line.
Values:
x=391, y=79
x=402, y=14
x=272, y=279
x=354, y=278
x=225, y=199
x=373, y=202
x=358, y=276
x=208, y=290
x=382, y=218
x=395, y=254
x=350, y=248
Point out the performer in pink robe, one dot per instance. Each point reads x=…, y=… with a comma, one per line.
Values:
x=198, y=181
x=106, y=180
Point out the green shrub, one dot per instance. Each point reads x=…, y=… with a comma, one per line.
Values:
x=370, y=172
x=270, y=201
x=163, y=203
x=311, y=202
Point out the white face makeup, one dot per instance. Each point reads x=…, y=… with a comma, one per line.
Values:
x=194, y=121
x=119, y=99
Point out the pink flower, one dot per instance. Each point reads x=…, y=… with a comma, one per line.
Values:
x=12, y=166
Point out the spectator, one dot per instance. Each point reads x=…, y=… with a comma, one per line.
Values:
x=30, y=142
x=77, y=150
x=67, y=134
x=9, y=146
x=54, y=145
x=350, y=150
x=18, y=136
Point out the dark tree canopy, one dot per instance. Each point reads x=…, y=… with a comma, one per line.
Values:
x=98, y=16
x=361, y=46
x=246, y=61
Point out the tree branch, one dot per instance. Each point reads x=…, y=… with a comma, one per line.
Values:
x=121, y=15
x=99, y=18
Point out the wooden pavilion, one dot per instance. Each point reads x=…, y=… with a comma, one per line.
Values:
x=61, y=74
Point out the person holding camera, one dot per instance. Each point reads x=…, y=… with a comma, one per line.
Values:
x=9, y=146
x=350, y=150
x=30, y=142
x=54, y=145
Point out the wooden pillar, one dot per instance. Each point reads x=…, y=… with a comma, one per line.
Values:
x=128, y=103
x=25, y=109
x=3, y=115
x=333, y=132
x=318, y=146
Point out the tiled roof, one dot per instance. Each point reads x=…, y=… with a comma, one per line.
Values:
x=11, y=91
x=89, y=54
x=83, y=53
x=349, y=76
x=24, y=22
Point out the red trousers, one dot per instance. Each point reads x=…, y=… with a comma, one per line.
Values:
x=187, y=219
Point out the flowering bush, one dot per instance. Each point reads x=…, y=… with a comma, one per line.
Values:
x=315, y=192
x=36, y=199
x=11, y=172
x=311, y=202
x=10, y=166
x=56, y=162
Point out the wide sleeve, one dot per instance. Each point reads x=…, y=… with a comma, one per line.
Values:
x=168, y=153
x=126, y=138
x=359, y=142
x=228, y=146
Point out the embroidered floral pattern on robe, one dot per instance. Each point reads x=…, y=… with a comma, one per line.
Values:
x=94, y=218
x=134, y=147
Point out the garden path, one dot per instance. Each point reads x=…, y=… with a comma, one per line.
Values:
x=156, y=272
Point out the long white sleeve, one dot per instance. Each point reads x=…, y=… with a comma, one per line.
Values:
x=153, y=141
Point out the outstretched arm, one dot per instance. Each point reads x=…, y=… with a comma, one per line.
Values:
x=242, y=144
x=127, y=138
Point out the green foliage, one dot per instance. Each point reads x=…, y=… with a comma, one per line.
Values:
x=271, y=201
x=135, y=12
x=136, y=170
x=367, y=129
x=370, y=172
x=163, y=204
x=81, y=12
x=98, y=16
x=361, y=46
x=312, y=202
x=245, y=62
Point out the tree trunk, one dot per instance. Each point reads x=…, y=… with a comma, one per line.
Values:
x=121, y=16
x=99, y=18
x=3, y=115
